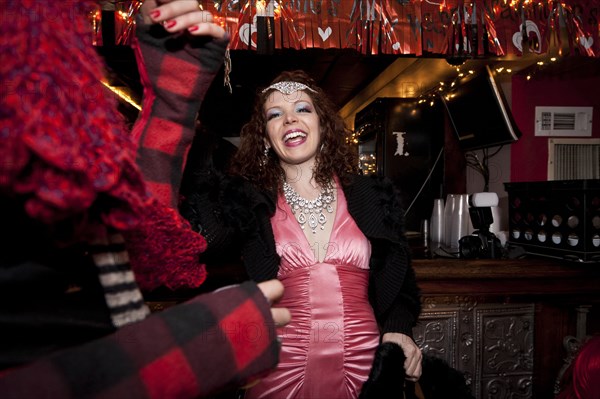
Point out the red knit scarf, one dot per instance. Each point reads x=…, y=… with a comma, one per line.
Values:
x=64, y=150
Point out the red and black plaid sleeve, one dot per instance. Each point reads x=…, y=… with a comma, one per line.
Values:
x=176, y=72
x=193, y=350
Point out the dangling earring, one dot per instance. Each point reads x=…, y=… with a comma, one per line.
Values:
x=265, y=157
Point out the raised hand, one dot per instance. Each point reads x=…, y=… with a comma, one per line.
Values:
x=181, y=15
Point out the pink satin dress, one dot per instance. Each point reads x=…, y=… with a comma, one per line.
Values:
x=329, y=345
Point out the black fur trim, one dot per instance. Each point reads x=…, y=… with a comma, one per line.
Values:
x=387, y=378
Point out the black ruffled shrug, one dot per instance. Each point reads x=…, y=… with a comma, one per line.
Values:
x=227, y=210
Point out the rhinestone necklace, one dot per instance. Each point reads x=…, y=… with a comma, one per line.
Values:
x=313, y=211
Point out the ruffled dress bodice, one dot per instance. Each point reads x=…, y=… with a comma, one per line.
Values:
x=328, y=347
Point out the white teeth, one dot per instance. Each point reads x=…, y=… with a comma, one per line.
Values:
x=293, y=135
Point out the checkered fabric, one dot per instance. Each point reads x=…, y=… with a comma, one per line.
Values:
x=64, y=154
x=175, y=82
x=187, y=351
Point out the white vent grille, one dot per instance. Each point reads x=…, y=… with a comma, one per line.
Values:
x=573, y=159
x=563, y=121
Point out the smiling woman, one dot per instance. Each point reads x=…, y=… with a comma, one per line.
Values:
x=292, y=128
x=348, y=279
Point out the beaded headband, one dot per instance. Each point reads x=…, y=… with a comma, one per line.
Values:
x=288, y=87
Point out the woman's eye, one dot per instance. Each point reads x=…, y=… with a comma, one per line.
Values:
x=304, y=109
x=272, y=115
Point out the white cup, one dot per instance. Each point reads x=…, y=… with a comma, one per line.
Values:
x=460, y=220
x=436, y=230
x=451, y=200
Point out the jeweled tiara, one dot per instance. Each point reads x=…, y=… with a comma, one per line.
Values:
x=288, y=87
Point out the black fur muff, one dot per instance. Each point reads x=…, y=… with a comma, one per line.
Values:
x=387, y=378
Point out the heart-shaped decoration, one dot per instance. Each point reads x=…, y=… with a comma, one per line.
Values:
x=396, y=46
x=586, y=42
x=325, y=33
x=533, y=36
x=518, y=40
x=246, y=32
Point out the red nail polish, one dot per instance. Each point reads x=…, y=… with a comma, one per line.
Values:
x=155, y=14
x=170, y=24
x=193, y=28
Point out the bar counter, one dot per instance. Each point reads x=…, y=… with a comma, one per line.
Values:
x=510, y=325
x=519, y=277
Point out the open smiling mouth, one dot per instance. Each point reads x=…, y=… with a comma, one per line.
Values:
x=294, y=135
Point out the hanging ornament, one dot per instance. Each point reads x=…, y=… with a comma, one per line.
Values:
x=454, y=28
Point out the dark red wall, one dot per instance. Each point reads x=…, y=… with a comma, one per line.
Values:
x=529, y=155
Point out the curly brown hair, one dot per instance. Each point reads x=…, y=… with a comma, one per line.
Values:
x=336, y=156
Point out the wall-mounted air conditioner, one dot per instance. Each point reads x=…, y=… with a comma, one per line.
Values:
x=563, y=121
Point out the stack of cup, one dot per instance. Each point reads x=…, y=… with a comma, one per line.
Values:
x=436, y=230
x=458, y=222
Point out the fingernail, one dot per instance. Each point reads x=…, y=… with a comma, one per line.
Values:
x=155, y=14
x=170, y=24
x=193, y=28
